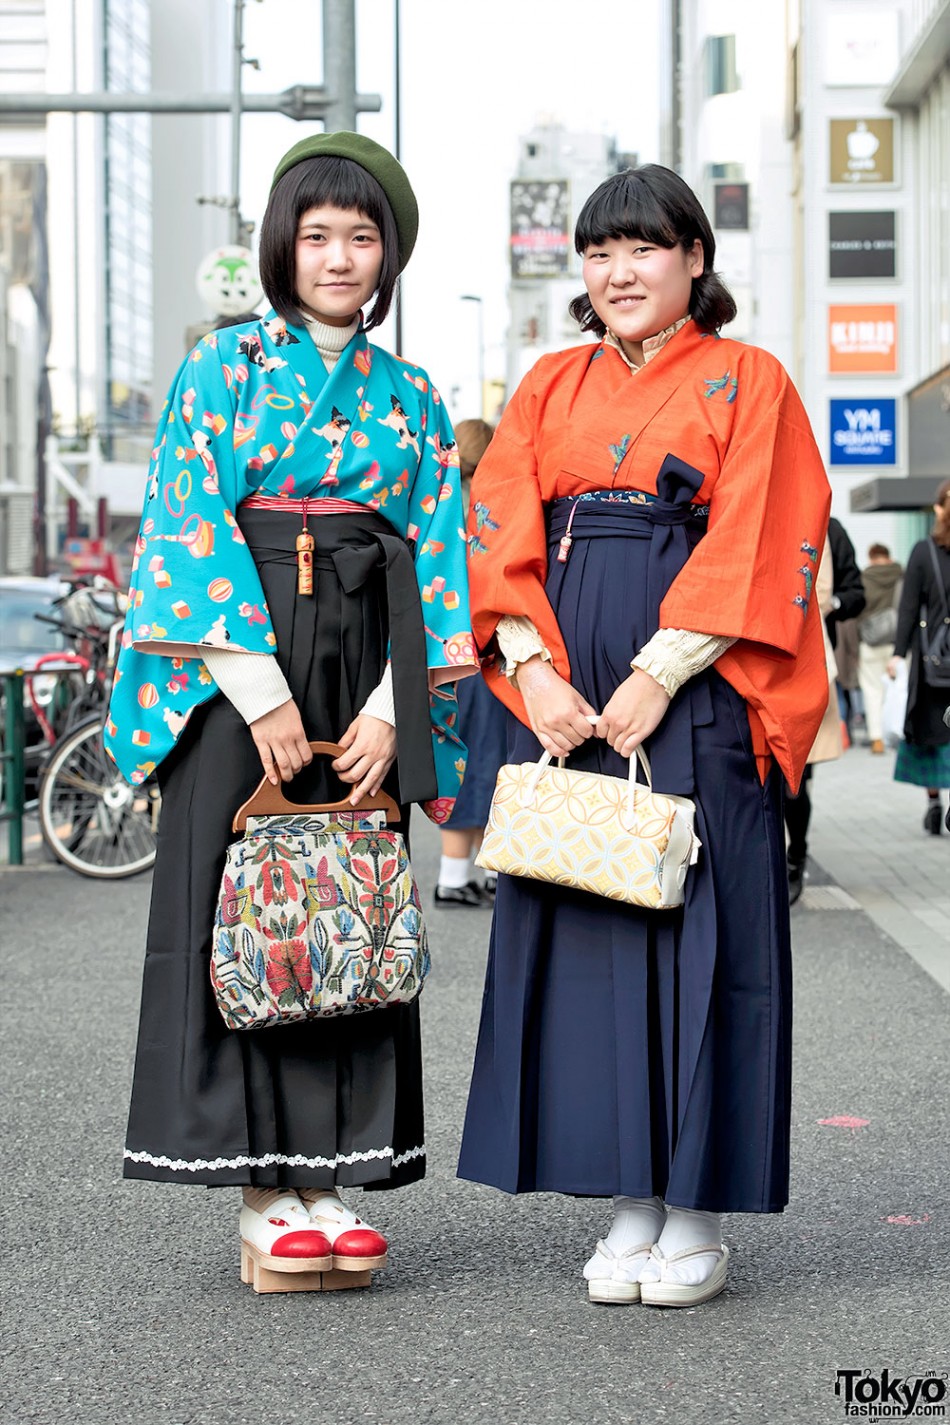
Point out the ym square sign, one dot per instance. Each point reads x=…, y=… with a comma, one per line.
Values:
x=863, y=432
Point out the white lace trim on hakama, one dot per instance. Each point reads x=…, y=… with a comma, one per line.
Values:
x=294, y=1160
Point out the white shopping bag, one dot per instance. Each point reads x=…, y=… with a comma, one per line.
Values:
x=894, y=710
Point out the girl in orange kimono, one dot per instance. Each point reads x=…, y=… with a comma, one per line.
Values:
x=644, y=537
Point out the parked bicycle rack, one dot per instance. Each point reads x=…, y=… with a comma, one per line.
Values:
x=12, y=761
x=13, y=803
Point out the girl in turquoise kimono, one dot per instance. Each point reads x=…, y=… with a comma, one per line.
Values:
x=288, y=424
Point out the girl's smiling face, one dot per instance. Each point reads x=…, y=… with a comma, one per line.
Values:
x=339, y=256
x=638, y=288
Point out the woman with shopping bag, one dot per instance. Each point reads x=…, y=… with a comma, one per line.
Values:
x=644, y=539
x=299, y=575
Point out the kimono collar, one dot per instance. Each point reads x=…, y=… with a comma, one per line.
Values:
x=285, y=343
x=651, y=346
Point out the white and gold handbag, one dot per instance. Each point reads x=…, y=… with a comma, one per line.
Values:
x=611, y=836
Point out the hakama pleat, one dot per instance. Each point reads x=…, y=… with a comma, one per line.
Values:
x=632, y=1051
x=335, y=1101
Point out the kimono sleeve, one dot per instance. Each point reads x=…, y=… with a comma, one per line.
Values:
x=194, y=581
x=752, y=575
x=507, y=540
x=436, y=527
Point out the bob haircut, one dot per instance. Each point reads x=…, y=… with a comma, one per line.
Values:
x=653, y=203
x=318, y=183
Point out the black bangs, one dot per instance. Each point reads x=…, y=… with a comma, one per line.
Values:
x=653, y=203
x=626, y=206
x=324, y=182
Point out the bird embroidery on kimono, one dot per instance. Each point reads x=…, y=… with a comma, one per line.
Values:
x=720, y=383
x=809, y=549
x=809, y=576
x=397, y=421
x=619, y=451
x=483, y=520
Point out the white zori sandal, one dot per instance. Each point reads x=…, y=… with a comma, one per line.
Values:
x=612, y=1276
x=283, y=1239
x=666, y=1292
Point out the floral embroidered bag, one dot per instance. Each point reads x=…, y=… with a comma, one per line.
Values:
x=318, y=913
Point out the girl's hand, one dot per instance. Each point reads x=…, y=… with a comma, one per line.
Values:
x=370, y=747
x=635, y=710
x=893, y=663
x=281, y=742
x=560, y=718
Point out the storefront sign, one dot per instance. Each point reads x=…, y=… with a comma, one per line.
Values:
x=861, y=151
x=540, y=228
x=862, y=338
x=862, y=245
x=732, y=207
x=863, y=432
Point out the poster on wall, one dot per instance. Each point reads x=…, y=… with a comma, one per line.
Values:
x=862, y=245
x=863, y=431
x=862, y=338
x=860, y=152
x=540, y=228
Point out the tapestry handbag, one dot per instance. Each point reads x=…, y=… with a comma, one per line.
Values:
x=318, y=914
x=935, y=647
x=611, y=836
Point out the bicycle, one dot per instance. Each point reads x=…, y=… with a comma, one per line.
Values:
x=90, y=818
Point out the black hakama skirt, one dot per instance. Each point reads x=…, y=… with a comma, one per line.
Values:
x=633, y=1051
x=333, y=1101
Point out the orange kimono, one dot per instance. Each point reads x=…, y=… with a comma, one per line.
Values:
x=582, y=421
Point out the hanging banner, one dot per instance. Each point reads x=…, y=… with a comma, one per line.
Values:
x=862, y=338
x=540, y=228
x=863, y=432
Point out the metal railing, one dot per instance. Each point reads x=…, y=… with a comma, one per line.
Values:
x=13, y=800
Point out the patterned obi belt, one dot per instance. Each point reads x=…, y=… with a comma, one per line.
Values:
x=608, y=513
x=307, y=506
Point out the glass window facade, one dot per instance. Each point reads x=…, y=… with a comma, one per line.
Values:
x=128, y=235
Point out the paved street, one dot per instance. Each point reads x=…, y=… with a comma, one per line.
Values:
x=123, y=1302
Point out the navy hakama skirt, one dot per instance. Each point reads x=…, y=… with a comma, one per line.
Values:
x=333, y=1101
x=632, y=1051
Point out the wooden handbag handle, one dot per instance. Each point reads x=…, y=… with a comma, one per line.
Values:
x=269, y=800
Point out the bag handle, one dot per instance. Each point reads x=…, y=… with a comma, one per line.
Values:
x=268, y=800
x=640, y=760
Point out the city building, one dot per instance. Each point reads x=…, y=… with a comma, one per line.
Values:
x=818, y=136
x=110, y=202
x=557, y=170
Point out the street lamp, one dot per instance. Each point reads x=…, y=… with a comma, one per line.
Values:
x=467, y=297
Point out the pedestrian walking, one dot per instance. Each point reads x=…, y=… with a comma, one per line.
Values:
x=923, y=758
x=483, y=729
x=302, y=512
x=877, y=629
x=840, y=595
x=652, y=502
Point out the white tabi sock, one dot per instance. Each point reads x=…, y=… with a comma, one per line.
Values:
x=685, y=1229
x=637, y=1222
x=455, y=872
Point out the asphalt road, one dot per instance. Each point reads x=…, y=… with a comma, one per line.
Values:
x=123, y=1301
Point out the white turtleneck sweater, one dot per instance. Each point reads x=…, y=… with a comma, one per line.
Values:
x=253, y=682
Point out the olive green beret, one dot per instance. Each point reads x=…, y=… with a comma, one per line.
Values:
x=388, y=172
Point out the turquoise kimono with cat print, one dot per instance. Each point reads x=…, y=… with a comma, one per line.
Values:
x=253, y=409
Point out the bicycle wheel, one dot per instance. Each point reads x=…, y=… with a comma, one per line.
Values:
x=91, y=819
